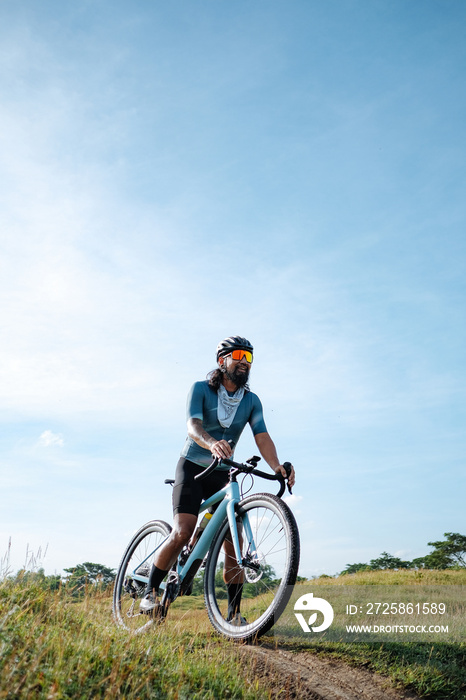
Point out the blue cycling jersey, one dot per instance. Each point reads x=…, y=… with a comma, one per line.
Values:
x=202, y=404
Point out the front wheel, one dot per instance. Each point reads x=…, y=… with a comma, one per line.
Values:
x=133, y=575
x=270, y=553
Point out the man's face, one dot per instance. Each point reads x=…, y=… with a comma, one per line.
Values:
x=237, y=371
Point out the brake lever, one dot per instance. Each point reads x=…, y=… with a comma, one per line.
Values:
x=287, y=467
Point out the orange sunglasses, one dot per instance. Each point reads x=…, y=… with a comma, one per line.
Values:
x=239, y=354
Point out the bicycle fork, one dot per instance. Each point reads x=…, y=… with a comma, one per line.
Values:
x=247, y=561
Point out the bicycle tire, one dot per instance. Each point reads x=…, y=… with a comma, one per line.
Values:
x=276, y=539
x=127, y=592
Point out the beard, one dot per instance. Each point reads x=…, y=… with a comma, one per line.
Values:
x=238, y=377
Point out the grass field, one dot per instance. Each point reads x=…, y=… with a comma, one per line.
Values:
x=432, y=666
x=55, y=646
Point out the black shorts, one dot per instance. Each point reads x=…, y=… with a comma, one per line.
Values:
x=188, y=493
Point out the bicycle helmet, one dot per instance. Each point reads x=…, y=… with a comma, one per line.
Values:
x=234, y=342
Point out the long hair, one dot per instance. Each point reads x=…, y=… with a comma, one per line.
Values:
x=215, y=379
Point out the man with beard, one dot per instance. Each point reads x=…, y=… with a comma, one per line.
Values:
x=218, y=410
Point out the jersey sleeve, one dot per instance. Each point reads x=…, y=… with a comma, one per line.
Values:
x=256, y=420
x=195, y=402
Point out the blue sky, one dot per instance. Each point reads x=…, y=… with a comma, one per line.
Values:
x=172, y=174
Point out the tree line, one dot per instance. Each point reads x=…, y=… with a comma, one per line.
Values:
x=447, y=554
x=76, y=580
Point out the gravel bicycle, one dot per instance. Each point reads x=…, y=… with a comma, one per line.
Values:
x=265, y=538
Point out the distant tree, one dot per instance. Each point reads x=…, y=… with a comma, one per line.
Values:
x=384, y=562
x=354, y=568
x=447, y=554
x=387, y=561
x=454, y=547
x=435, y=560
x=38, y=578
x=89, y=573
x=198, y=583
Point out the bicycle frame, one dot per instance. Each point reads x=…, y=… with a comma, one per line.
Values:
x=227, y=498
x=269, y=559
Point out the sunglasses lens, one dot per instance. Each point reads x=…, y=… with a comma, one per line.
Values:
x=239, y=354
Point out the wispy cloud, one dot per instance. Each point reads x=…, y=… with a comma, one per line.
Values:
x=50, y=439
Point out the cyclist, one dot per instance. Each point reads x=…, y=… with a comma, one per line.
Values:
x=218, y=409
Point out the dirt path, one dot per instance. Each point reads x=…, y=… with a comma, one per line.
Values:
x=301, y=675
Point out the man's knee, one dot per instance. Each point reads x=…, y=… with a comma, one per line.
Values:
x=182, y=535
x=183, y=528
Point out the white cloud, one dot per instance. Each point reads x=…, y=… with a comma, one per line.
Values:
x=294, y=502
x=50, y=439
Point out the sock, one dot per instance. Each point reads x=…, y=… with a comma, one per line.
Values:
x=235, y=591
x=156, y=577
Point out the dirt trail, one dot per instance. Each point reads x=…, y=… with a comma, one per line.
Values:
x=302, y=675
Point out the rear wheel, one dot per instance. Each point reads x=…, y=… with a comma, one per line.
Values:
x=270, y=553
x=133, y=573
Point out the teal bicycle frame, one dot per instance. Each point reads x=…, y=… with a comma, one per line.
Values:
x=227, y=498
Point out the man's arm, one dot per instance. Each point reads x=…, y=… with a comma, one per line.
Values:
x=268, y=451
x=219, y=448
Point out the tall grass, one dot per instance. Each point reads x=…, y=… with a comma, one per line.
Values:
x=52, y=646
x=401, y=577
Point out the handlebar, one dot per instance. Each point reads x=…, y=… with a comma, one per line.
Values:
x=249, y=467
x=208, y=470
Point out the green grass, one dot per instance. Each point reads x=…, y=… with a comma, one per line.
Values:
x=434, y=669
x=54, y=647
x=402, y=577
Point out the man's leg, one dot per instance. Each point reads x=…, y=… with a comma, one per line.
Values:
x=183, y=527
x=186, y=496
x=233, y=575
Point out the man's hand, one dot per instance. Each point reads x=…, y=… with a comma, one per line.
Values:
x=221, y=449
x=281, y=470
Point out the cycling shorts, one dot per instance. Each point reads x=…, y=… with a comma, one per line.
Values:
x=188, y=493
